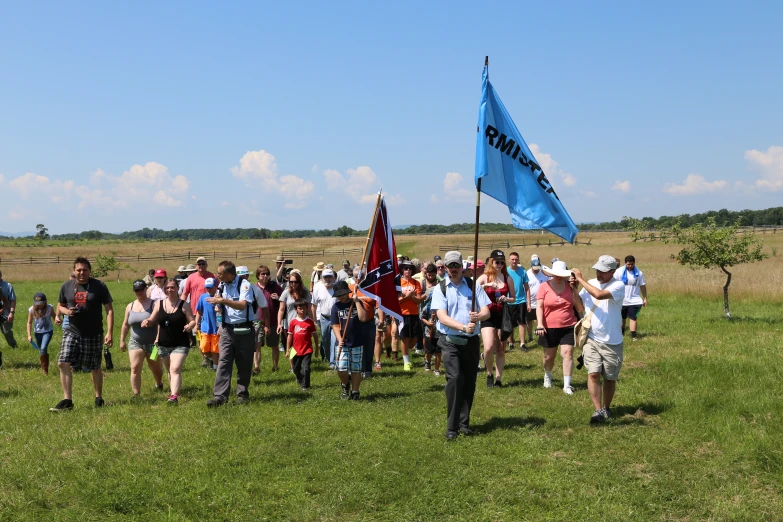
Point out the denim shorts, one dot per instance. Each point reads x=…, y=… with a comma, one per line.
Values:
x=133, y=344
x=165, y=351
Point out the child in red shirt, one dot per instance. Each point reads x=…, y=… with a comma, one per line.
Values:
x=301, y=337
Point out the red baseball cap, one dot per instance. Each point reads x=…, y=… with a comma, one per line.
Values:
x=160, y=273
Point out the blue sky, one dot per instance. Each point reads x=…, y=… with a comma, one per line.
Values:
x=117, y=116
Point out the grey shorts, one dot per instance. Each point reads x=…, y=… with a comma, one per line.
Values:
x=606, y=359
x=133, y=344
x=165, y=351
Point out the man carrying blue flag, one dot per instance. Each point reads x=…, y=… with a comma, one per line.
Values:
x=507, y=171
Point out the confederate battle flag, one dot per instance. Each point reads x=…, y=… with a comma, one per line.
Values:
x=382, y=264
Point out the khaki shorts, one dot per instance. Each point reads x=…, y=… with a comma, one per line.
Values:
x=606, y=359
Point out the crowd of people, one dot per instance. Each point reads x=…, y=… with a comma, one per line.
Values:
x=450, y=308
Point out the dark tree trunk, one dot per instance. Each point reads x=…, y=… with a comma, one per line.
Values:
x=726, y=293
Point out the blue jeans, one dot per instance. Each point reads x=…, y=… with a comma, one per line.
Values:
x=42, y=340
x=327, y=340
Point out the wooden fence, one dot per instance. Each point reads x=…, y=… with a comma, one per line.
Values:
x=491, y=246
x=187, y=257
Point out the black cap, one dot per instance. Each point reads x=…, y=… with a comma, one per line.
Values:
x=436, y=258
x=340, y=288
x=40, y=297
x=139, y=285
x=497, y=254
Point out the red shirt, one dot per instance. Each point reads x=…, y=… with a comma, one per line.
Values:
x=194, y=287
x=558, y=309
x=302, y=332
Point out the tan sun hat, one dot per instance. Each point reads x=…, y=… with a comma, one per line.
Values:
x=319, y=266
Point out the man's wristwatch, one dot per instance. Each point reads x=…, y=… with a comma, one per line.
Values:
x=465, y=328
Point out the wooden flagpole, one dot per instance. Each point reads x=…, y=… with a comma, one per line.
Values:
x=478, y=212
x=370, y=233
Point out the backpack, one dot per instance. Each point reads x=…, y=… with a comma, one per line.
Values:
x=468, y=280
x=252, y=305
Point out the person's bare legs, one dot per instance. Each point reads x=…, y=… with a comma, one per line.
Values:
x=567, y=352
x=356, y=380
x=156, y=369
x=66, y=380
x=490, y=338
x=175, y=371
x=136, y=364
x=275, y=357
x=549, y=362
x=500, y=357
x=594, y=388
x=609, y=387
x=378, y=346
x=407, y=344
x=97, y=382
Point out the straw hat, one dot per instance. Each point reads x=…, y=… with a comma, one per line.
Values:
x=319, y=266
x=558, y=270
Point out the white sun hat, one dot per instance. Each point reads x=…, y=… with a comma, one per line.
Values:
x=558, y=270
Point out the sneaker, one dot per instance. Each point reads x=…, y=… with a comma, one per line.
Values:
x=305, y=388
x=511, y=347
x=99, y=402
x=241, y=399
x=568, y=390
x=598, y=417
x=65, y=404
x=159, y=387
x=173, y=399
x=427, y=366
x=274, y=369
x=331, y=366
x=490, y=381
x=281, y=348
x=436, y=373
x=607, y=413
x=344, y=392
x=547, y=381
x=214, y=402
x=634, y=338
x=378, y=365
x=419, y=351
x=366, y=375
x=406, y=367
x=523, y=347
x=498, y=384
x=206, y=362
x=355, y=396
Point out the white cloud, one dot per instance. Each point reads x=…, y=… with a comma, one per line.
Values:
x=360, y=184
x=622, y=186
x=434, y=199
x=770, y=166
x=453, y=189
x=694, y=184
x=141, y=184
x=16, y=215
x=258, y=169
x=590, y=194
x=552, y=168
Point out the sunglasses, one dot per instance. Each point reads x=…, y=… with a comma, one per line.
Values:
x=499, y=262
x=263, y=273
x=293, y=282
x=453, y=265
x=201, y=264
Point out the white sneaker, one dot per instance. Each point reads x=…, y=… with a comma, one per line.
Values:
x=568, y=390
x=547, y=381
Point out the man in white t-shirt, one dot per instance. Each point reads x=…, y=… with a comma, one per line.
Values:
x=535, y=277
x=323, y=300
x=635, y=292
x=603, y=352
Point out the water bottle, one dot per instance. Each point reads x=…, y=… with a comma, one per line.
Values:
x=107, y=358
x=219, y=314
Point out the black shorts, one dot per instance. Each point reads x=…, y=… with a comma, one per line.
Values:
x=631, y=311
x=531, y=316
x=431, y=345
x=557, y=336
x=495, y=320
x=411, y=327
x=518, y=313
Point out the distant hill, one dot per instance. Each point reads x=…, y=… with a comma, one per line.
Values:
x=16, y=234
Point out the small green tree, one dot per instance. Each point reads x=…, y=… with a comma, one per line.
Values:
x=41, y=232
x=711, y=246
x=105, y=264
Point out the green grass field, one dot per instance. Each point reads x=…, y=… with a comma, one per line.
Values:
x=696, y=436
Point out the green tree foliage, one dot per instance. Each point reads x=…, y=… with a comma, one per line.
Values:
x=41, y=232
x=711, y=245
x=104, y=265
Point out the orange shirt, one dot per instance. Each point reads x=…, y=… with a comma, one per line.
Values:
x=368, y=303
x=408, y=306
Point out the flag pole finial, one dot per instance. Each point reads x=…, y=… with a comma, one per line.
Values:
x=486, y=61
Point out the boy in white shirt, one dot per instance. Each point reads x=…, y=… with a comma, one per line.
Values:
x=634, y=282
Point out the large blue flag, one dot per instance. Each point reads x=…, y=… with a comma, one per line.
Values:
x=510, y=174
